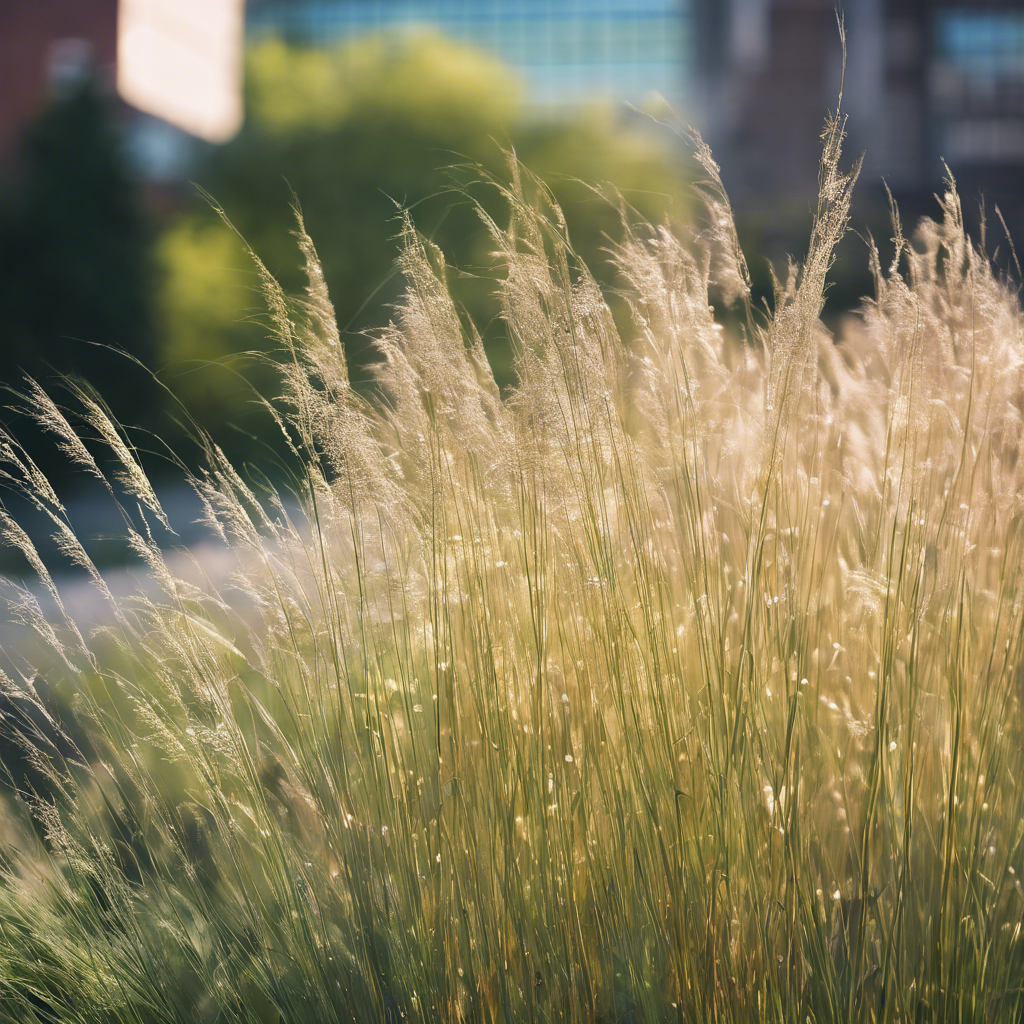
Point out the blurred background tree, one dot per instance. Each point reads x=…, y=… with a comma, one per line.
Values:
x=356, y=131
x=76, y=279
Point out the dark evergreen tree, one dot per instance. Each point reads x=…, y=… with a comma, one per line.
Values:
x=75, y=252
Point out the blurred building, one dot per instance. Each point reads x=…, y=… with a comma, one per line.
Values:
x=45, y=46
x=181, y=61
x=567, y=50
x=926, y=81
x=973, y=89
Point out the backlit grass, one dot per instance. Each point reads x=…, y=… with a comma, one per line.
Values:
x=681, y=683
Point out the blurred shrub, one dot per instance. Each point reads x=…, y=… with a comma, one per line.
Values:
x=354, y=131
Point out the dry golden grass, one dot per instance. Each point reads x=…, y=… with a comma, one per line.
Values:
x=681, y=683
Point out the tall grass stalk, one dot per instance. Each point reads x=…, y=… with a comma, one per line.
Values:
x=682, y=683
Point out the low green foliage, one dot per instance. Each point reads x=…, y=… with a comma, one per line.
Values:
x=680, y=683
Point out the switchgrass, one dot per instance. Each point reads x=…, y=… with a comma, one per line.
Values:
x=681, y=683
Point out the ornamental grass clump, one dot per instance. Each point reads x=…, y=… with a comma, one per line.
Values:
x=680, y=683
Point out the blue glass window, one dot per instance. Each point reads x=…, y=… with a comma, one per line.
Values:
x=565, y=48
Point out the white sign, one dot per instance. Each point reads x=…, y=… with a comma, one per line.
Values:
x=181, y=60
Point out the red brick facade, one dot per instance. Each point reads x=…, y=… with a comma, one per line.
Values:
x=28, y=31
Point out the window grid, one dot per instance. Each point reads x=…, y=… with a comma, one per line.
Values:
x=565, y=48
x=980, y=61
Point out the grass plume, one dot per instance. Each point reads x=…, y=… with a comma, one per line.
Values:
x=681, y=683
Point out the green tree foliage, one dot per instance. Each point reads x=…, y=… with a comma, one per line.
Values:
x=355, y=131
